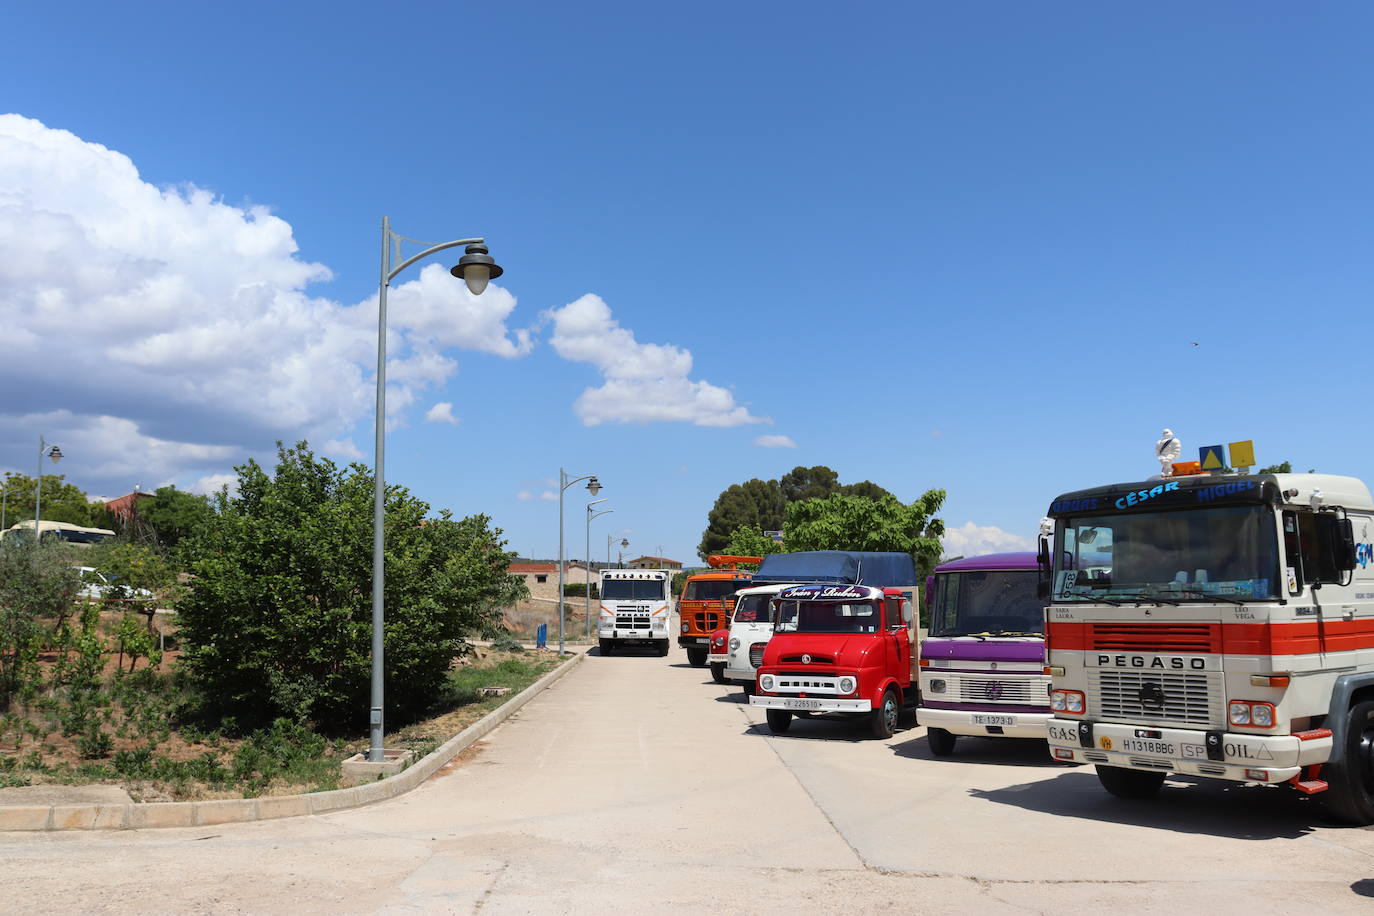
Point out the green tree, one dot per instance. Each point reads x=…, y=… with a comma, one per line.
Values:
x=172, y=515
x=62, y=501
x=808, y=483
x=750, y=541
x=841, y=522
x=756, y=503
x=1285, y=467
x=865, y=488
x=278, y=618
x=38, y=586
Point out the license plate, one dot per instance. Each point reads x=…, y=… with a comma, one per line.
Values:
x=801, y=704
x=704, y=641
x=1149, y=746
x=994, y=720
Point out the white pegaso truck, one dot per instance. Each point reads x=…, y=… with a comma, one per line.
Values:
x=635, y=608
x=1216, y=626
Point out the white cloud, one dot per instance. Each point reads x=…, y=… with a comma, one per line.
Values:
x=524, y=495
x=343, y=448
x=644, y=383
x=211, y=484
x=441, y=412
x=174, y=331
x=973, y=540
x=772, y=441
x=549, y=496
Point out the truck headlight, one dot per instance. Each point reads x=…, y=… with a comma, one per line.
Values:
x=1068, y=701
x=684, y=626
x=766, y=682
x=937, y=685
x=1238, y=713
x=718, y=641
x=734, y=642
x=846, y=685
x=1251, y=713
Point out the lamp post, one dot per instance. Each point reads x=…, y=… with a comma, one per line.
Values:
x=55, y=453
x=591, y=515
x=475, y=268
x=620, y=559
x=564, y=481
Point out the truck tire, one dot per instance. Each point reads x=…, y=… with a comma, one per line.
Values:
x=779, y=721
x=941, y=741
x=606, y=646
x=718, y=673
x=882, y=722
x=696, y=657
x=1350, y=774
x=749, y=687
x=1125, y=783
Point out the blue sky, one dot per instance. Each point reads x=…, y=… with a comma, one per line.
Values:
x=993, y=248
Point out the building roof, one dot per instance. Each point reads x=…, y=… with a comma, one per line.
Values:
x=653, y=560
x=519, y=568
x=124, y=507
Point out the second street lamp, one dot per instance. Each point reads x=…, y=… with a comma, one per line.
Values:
x=475, y=268
x=55, y=453
x=564, y=481
x=591, y=515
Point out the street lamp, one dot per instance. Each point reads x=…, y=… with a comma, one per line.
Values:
x=591, y=515
x=564, y=481
x=55, y=453
x=475, y=268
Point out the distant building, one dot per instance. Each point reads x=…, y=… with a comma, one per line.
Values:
x=654, y=563
x=126, y=506
x=534, y=572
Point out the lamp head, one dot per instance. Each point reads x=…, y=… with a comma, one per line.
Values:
x=475, y=268
x=55, y=454
x=624, y=542
x=593, y=486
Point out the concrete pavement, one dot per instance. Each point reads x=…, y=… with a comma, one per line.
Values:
x=634, y=783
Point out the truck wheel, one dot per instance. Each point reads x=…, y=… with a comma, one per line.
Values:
x=882, y=722
x=941, y=741
x=696, y=657
x=1124, y=783
x=779, y=721
x=718, y=673
x=605, y=645
x=1350, y=773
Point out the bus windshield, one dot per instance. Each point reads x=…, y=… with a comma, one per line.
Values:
x=828, y=616
x=1191, y=555
x=634, y=589
x=987, y=603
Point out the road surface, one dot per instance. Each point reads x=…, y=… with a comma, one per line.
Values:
x=636, y=784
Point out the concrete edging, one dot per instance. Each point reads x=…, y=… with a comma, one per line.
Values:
x=235, y=810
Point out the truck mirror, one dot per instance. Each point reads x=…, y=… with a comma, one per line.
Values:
x=906, y=612
x=1345, y=546
x=1044, y=568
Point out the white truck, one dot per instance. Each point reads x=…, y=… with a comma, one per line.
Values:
x=751, y=627
x=635, y=609
x=1216, y=626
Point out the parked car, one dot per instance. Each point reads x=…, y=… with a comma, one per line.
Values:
x=98, y=586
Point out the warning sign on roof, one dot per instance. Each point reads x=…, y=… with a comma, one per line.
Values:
x=1210, y=458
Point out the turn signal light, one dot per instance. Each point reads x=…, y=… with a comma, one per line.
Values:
x=1269, y=680
x=1054, y=670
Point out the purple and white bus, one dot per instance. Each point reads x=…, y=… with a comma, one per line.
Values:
x=982, y=664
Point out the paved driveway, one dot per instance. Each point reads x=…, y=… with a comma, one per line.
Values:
x=636, y=784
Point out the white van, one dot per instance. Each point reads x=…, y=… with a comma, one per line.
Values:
x=751, y=626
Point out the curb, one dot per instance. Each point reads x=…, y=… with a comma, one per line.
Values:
x=237, y=810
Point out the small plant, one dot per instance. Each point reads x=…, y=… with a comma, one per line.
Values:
x=507, y=643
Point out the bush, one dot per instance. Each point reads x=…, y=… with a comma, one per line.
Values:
x=278, y=620
x=507, y=643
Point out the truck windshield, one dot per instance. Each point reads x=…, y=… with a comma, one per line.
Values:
x=828, y=617
x=633, y=589
x=711, y=589
x=752, y=609
x=1229, y=552
x=987, y=603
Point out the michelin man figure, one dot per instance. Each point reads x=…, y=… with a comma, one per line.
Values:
x=1167, y=450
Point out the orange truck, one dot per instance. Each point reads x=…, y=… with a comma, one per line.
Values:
x=706, y=602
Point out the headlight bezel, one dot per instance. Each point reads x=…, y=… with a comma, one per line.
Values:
x=766, y=682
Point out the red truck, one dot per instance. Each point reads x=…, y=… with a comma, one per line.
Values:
x=841, y=647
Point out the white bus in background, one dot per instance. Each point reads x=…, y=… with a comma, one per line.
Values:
x=636, y=607
x=62, y=531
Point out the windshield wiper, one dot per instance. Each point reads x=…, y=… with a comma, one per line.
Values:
x=1147, y=596
x=1207, y=596
x=952, y=635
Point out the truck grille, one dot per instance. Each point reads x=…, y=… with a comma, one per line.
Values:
x=1191, y=699
x=805, y=683
x=632, y=623
x=1157, y=637
x=707, y=621
x=1029, y=690
x=756, y=653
